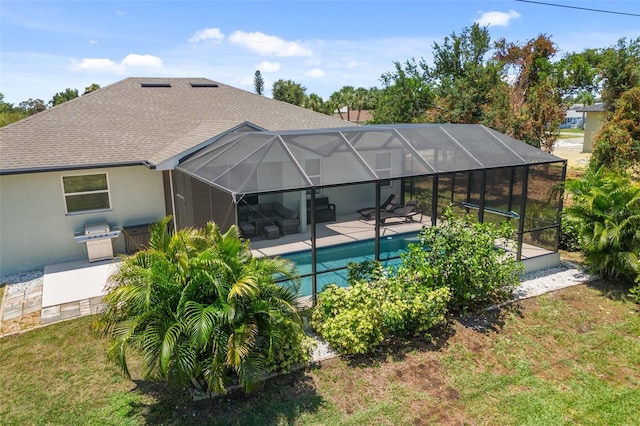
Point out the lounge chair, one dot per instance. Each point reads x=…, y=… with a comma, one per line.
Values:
x=407, y=212
x=389, y=204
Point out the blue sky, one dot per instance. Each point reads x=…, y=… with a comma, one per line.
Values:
x=48, y=46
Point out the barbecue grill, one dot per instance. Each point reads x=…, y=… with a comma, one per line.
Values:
x=98, y=237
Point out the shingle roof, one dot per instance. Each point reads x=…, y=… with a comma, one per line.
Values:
x=593, y=108
x=125, y=123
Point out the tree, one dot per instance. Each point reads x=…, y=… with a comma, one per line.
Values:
x=258, y=83
x=62, y=97
x=92, y=88
x=465, y=77
x=200, y=308
x=536, y=101
x=32, y=106
x=9, y=113
x=405, y=96
x=289, y=91
x=315, y=103
x=617, y=145
x=619, y=70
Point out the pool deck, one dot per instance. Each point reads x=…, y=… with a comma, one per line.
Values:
x=75, y=289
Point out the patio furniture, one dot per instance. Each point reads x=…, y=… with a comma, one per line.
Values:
x=274, y=213
x=389, y=204
x=247, y=229
x=407, y=212
x=271, y=231
x=325, y=211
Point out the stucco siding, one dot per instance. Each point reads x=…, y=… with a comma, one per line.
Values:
x=593, y=123
x=35, y=229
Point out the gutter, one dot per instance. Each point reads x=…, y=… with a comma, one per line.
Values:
x=78, y=167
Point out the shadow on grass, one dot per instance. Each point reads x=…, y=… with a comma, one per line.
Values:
x=491, y=320
x=280, y=400
x=611, y=289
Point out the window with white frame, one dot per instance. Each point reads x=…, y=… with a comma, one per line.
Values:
x=85, y=193
x=383, y=168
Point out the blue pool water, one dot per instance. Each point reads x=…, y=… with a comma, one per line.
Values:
x=332, y=261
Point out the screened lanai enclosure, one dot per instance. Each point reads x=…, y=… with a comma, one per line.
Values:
x=325, y=198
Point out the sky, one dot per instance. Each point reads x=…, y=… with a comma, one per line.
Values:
x=49, y=46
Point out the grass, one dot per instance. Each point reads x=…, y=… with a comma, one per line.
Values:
x=568, y=357
x=576, y=132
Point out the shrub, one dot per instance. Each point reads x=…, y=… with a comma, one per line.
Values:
x=461, y=254
x=200, y=308
x=569, y=236
x=350, y=319
x=605, y=208
x=358, y=319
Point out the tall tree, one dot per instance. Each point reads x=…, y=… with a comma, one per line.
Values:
x=32, y=106
x=289, y=91
x=405, y=96
x=62, y=97
x=464, y=76
x=258, y=83
x=617, y=145
x=536, y=101
x=620, y=70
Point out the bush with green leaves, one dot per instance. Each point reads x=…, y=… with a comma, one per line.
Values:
x=350, y=319
x=377, y=306
x=569, y=236
x=605, y=207
x=462, y=255
x=201, y=309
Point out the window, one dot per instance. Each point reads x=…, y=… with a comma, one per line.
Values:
x=85, y=193
x=383, y=168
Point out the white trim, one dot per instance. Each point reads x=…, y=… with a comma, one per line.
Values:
x=100, y=191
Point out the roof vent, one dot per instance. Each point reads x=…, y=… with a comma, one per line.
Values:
x=155, y=84
x=204, y=84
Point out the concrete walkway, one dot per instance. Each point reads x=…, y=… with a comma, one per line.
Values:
x=68, y=290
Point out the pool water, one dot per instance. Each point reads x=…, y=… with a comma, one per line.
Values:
x=332, y=261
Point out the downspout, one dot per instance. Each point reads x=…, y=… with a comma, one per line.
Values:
x=173, y=201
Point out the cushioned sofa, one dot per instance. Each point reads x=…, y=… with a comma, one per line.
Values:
x=270, y=214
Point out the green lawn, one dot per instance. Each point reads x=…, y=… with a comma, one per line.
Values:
x=569, y=357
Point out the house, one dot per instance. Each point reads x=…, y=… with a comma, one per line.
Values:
x=359, y=116
x=594, y=120
x=573, y=119
x=78, y=179
x=106, y=157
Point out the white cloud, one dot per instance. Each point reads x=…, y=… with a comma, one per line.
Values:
x=352, y=64
x=208, y=34
x=142, y=61
x=269, y=66
x=265, y=44
x=100, y=65
x=93, y=42
x=497, y=19
x=108, y=66
x=316, y=72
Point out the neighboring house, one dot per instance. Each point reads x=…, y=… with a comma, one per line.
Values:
x=594, y=120
x=573, y=119
x=359, y=116
x=106, y=157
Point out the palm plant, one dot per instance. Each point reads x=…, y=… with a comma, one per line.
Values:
x=199, y=307
x=606, y=209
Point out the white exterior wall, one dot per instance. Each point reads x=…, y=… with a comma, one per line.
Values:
x=593, y=124
x=36, y=231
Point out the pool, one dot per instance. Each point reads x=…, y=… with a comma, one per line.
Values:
x=332, y=261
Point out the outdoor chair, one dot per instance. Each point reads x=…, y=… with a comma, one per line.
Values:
x=406, y=212
x=388, y=205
